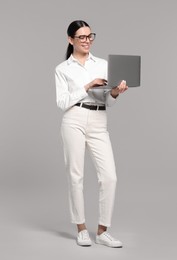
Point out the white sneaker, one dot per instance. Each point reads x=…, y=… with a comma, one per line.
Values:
x=83, y=238
x=106, y=239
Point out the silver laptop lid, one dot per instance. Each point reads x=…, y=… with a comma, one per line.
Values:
x=124, y=67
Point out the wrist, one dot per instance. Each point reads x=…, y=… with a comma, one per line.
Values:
x=88, y=86
x=114, y=94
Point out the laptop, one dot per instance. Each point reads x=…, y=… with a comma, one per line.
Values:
x=123, y=67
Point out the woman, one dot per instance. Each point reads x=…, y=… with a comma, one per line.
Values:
x=84, y=124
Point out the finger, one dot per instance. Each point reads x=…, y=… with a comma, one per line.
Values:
x=123, y=89
x=123, y=82
x=120, y=90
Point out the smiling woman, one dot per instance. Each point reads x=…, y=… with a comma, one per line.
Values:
x=81, y=42
x=85, y=122
x=81, y=28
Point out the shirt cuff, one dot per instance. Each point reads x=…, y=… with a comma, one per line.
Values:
x=83, y=92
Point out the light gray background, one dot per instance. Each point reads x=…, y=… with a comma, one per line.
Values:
x=34, y=217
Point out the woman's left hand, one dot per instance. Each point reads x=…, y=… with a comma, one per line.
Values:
x=119, y=89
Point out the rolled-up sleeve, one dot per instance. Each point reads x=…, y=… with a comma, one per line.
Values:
x=64, y=98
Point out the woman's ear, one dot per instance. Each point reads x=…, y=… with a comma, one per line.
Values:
x=70, y=39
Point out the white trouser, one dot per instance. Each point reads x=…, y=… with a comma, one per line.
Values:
x=83, y=128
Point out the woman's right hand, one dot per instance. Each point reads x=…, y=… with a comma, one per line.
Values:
x=96, y=83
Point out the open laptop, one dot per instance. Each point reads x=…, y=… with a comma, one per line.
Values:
x=123, y=67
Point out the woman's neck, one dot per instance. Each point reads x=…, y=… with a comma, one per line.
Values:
x=81, y=57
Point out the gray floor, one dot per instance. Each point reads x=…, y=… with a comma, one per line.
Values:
x=34, y=224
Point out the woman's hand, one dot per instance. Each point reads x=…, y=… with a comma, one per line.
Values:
x=119, y=89
x=96, y=83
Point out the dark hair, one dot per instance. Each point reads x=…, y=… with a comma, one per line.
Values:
x=72, y=28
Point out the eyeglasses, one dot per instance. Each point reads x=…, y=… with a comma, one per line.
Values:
x=83, y=38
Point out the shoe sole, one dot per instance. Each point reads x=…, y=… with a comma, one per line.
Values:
x=100, y=243
x=85, y=245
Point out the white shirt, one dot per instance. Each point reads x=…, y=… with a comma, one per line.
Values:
x=71, y=77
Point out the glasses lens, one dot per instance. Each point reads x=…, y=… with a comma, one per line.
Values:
x=82, y=37
x=92, y=36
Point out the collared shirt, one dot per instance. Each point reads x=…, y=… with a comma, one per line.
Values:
x=71, y=77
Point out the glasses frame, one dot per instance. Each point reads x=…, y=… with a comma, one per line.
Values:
x=83, y=38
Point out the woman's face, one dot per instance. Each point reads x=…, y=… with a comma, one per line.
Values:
x=81, y=45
